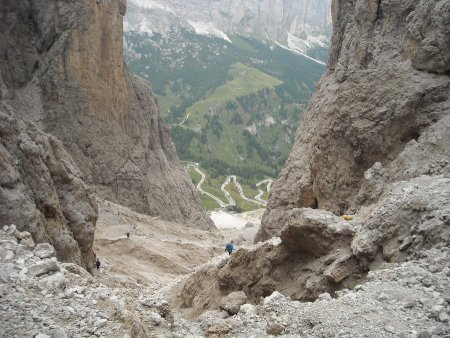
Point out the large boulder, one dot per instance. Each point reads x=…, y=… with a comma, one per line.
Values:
x=233, y=301
x=314, y=232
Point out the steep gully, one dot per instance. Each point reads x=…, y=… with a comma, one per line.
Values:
x=230, y=179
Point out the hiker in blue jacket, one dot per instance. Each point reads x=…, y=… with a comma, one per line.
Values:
x=229, y=247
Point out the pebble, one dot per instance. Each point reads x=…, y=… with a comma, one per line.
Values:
x=100, y=322
x=389, y=328
x=435, y=268
x=427, y=282
x=41, y=335
x=443, y=317
x=382, y=297
x=423, y=334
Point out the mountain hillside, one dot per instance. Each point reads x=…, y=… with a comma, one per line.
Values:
x=233, y=103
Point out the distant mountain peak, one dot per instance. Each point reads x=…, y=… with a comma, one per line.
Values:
x=302, y=26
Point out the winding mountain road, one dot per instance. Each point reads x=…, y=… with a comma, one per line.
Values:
x=199, y=187
x=185, y=119
x=230, y=179
x=261, y=192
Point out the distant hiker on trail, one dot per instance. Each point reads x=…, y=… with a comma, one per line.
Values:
x=128, y=234
x=229, y=247
x=97, y=263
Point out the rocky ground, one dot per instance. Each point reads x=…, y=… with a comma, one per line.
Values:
x=130, y=296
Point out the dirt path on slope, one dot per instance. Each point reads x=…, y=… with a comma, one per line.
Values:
x=158, y=251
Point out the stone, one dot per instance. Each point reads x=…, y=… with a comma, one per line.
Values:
x=155, y=318
x=26, y=240
x=7, y=255
x=423, y=334
x=76, y=269
x=41, y=268
x=55, y=281
x=382, y=297
x=435, y=268
x=232, y=302
x=58, y=332
x=273, y=298
x=436, y=310
x=44, y=173
x=161, y=305
x=359, y=287
x=341, y=268
x=443, y=317
x=44, y=250
x=41, y=335
x=248, y=309
x=249, y=225
x=389, y=328
x=220, y=328
x=100, y=322
x=324, y=296
x=275, y=328
x=427, y=282
x=5, y=271
x=311, y=231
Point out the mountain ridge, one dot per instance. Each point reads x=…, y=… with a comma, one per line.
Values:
x=300, y=26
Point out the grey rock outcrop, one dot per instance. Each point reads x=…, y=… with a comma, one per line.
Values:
x=42, y=192
x=66, y=73
x=381, y=114
x=233, y=301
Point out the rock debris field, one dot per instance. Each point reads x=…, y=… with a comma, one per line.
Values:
x=130, y=294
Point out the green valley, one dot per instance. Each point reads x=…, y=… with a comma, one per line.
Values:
x=232, y=106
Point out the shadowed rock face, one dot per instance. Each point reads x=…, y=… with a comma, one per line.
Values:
x=41, y=190
x=62, y=64
x=382, y=108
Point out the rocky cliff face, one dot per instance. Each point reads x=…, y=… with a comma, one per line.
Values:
x=41, y=190
x=62, y=64
x=380, y=115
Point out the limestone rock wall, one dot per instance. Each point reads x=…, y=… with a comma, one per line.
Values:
x=41, y=190
x=62, y=64
x=380, y=115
